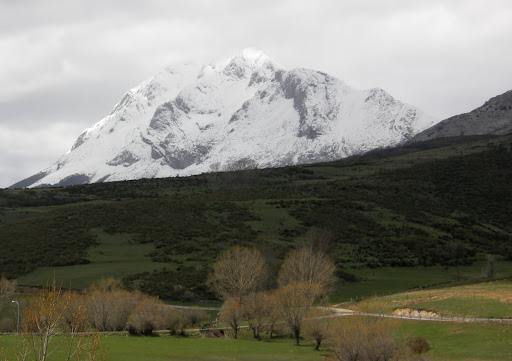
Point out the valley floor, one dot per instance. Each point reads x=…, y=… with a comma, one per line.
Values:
x=448, y=342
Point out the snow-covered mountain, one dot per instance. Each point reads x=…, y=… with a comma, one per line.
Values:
x=190, y=117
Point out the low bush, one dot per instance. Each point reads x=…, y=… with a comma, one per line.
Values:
x=364, y=339
x=177, y=320
x=148, y=316
x=347, y=276
x=418, y=345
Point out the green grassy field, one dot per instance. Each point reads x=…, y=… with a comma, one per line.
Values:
x=193, y=349
x=482, y=300
x=115, y=256
x=448, y=342
x=468, y=342
x=388, y=280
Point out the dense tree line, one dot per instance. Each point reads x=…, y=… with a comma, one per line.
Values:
x=105, y=306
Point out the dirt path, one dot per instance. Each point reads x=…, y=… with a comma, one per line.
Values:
x=341, y=312
x=344, y=312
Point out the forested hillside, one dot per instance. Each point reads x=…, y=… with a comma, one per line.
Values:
x=447, y=202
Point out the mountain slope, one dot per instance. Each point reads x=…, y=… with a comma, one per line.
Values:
x=446, y=206
x=494, y=117
x=189, y=119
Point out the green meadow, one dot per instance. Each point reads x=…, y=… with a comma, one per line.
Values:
x=115, y=256
x=481, y=300
x=127, y=348
x=448, y=342
x=467, y=342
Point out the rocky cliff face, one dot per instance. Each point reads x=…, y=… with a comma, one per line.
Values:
x=190, y=117
x=494, y=117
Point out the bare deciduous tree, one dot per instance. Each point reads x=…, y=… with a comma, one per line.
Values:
x=273, y=314
x=125, y=304
x=149, y=315
x=256, y=310
x=362, y=339
x=101, y=307
x=232, y=313
x=41, y=320
x=306, y=265
x=317, y=326
x=44, y=318
x=294, y=302
x=109, y=306
x=77, y=345
x=237, y=272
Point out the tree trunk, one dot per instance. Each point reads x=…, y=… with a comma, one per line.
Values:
x=317, y=347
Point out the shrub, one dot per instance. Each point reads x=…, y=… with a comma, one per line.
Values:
x=177, y=320
x=418, y=345
x=194, y=317
x=110, y=310
x=148, y=316
x=174, y=324
x=347, y=276
x=363, y=339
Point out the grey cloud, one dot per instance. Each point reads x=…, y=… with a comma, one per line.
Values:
x=71, y=61
x=85, y=104
x=24, y=153
x=24, y=166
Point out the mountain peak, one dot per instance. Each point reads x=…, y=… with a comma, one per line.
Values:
x=249, y=58
x=190, y=119
x=254, y=57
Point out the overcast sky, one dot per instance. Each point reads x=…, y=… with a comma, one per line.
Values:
x=64, y=64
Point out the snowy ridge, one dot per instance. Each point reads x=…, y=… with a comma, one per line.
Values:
x=188, y=117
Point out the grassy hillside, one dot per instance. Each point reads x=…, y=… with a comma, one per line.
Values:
x=433, y=210
x=483, y=300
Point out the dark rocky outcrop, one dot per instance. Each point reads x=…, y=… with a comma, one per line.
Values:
x=492, y=118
